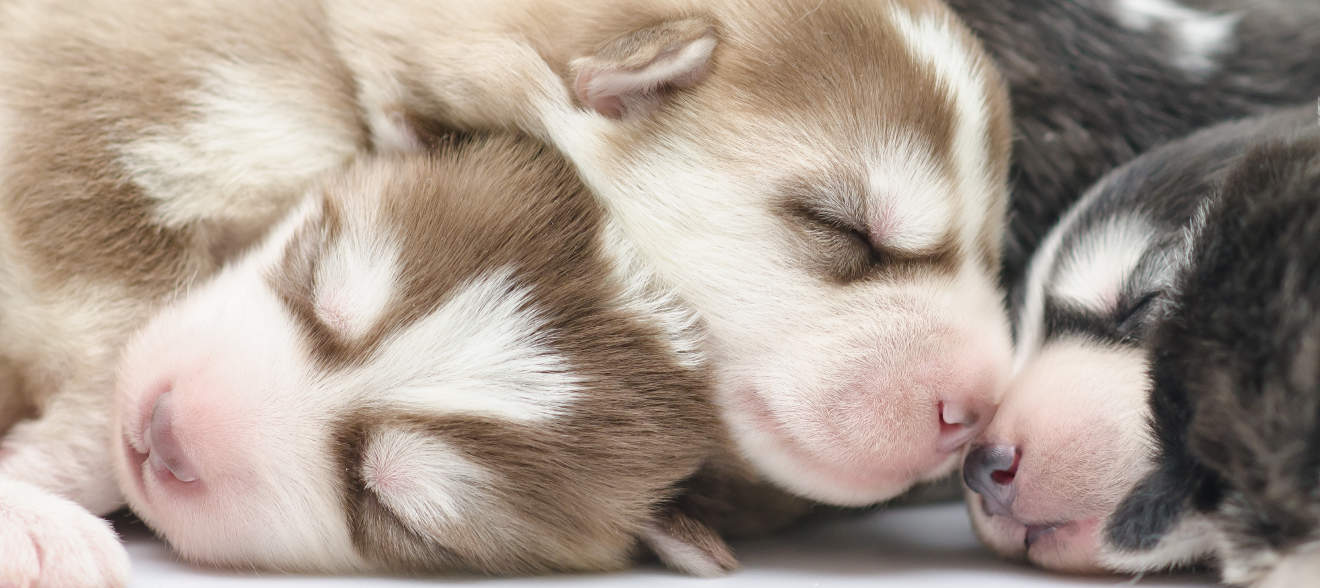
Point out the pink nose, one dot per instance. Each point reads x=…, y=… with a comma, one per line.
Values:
x=960, y=422
x=163, y=445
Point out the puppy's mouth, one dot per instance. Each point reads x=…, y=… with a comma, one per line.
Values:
x=1061, y=544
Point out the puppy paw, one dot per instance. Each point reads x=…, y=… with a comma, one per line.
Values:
x=50, y=542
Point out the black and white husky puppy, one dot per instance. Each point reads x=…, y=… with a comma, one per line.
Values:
x=1165, y=403
x=1094, y=83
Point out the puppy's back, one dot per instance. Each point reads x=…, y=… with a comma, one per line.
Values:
x=1242, y=354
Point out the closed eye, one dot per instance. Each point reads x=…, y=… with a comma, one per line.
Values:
x=1130, y=317
x=851, y=233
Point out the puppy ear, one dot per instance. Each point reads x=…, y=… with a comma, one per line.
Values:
x=685, y=544
x=633, y=74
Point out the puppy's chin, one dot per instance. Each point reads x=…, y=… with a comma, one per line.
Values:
x=1070, y=546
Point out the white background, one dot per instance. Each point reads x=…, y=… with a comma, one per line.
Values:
x=914, y=547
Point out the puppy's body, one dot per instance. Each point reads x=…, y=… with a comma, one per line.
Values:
x=1152, y=308
x=1096, y=82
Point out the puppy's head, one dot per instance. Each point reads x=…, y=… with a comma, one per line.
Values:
x=429, y=366
x=825, y=184
x=1093, y=461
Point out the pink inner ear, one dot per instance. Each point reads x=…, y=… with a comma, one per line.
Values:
x=617, y=92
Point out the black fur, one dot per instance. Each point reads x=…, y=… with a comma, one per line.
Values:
x=1241, y=356
x=1089, y=94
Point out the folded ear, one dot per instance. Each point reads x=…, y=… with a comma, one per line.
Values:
x=631, y=75
x=688, y=545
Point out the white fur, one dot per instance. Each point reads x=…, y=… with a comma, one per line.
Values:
x=1091, y=274
x=681, y=555
x=931, y=39
x=46, y=540
x=915, y=213
x=1201, y=37
x=355, y=281
x=422, y=480
x=1299, y=567
x=642, y=293
x=248, y=145
x=1094, y=445
x=243, y=375
x=1031, y=319
x=487, y=355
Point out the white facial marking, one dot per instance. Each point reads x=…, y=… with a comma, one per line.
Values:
x=1200, y=36
x=1091, y=274
x=420, y=478
x=245, y=144
x=933, y=40
x=487, y=355
x=1031, y=321
x=355, y=281
x=914, y=211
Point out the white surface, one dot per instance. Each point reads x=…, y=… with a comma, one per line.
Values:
x=917, y=547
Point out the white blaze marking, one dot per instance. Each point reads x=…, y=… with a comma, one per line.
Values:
x=1200, y=36
x=422, y=479
x=933, y=41
x=912, y=212
x=485, y=353
x=355, y=282
x=1091, y=274
x=245, y=145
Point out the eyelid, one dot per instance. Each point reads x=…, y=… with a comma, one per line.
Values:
x=1136, y=309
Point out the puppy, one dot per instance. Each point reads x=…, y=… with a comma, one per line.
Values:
x=1162, y=410
x=824, y=184
x=1094, y=83
x=430, y=365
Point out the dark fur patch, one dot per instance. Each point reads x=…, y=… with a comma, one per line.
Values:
x=1089, y=94
x=1244, y=350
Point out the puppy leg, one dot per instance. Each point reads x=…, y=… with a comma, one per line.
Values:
x=50, y=541
x=55, y=478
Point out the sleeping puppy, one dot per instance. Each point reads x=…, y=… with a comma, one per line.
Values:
x=1094, y=83
x=1164, y=405
x=823, y=183
x=430, y=365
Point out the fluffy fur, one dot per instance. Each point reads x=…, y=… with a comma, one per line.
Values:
x=1244, y=362
x=1141, y=428
x=1096, y=82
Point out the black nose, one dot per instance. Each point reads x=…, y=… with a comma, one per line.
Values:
x=989, y=470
